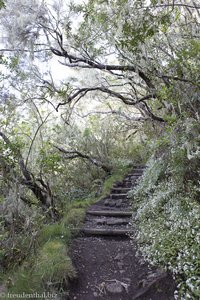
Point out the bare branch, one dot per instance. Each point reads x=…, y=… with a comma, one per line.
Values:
x=151, y=114
x=71, y=154
x=115, y=112
x=82, y=92
x=34, y=137
x=24, y=50
x=88, y=62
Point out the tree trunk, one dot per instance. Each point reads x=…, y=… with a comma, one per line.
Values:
x=43, y=194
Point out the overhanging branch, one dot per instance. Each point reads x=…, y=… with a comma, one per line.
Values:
x=72, y=154
x=78, y=61
x=82, y=92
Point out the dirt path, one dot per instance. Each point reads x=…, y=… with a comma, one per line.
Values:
x=105, y=255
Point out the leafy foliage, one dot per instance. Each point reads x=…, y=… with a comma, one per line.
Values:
x=167, y=203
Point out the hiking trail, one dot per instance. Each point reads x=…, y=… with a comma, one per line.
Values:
x=105, y=253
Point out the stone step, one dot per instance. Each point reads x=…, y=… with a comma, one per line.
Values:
x=118, y=190
x=128, y=180
x=131, y=184
x=110, y=213
x=133, y=176
x=110, y=221
x=124, y=184
x=118, y=196
x=106, y=232
x=136, y=171
x=115, y=221
x=136, y=174
x=113, y=203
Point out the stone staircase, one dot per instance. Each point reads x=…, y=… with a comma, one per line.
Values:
x=108, y=264
x=111, y=216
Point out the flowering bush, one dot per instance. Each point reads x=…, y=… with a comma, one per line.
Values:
x=168, y=214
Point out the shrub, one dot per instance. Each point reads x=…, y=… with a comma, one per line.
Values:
x=168, y=229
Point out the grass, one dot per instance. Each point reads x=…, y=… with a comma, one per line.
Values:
x=49, y=268
x=53, y=265
x=118, y=175
x=74, y=218
x=54, y=232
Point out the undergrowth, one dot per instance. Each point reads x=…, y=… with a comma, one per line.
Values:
x=51, y=269
x=168, y=211
x=45, y=264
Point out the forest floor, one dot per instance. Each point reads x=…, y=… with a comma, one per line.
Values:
x=106, y=258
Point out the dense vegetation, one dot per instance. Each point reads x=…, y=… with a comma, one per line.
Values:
x=167, y=205
x=87, y=91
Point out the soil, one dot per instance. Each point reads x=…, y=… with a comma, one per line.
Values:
x=106, y=258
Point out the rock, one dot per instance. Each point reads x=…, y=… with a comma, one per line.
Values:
x=106, y=202
x=142, y=283
x=127, y=280
x=99, y=221
x=119, y=203
x=112, y=203
x=109, y=202
x=120, y=265
x=155, y=274
x=114, y=287
x=118, y=257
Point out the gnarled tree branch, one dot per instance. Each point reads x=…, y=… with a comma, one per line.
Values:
x=71, y=154
x=81, y=62
x=83, y=91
